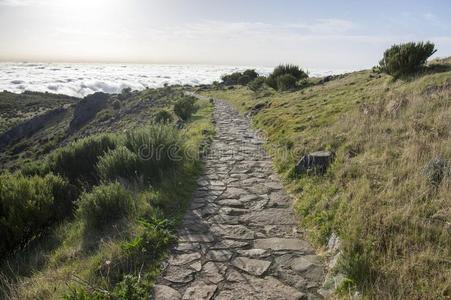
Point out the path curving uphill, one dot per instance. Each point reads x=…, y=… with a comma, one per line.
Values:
x=239, y=239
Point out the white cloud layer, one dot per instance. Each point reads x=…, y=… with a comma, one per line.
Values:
x=82, y=79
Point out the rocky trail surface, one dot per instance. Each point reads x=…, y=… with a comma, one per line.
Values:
x=239, y=238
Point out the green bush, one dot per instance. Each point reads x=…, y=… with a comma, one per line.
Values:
x=35, y=168
x=117, y=104
x=251, y=74
x=406, y=59
x=163, y=116
x=125, y=93
x=294, y=70
x=28, y=204
x=239, y=78
x=286, y=82
x=244, y=80
x=231, y=79
x=104, y=115
x=77, y=161
x=282, y=70
x=104, y=205
x=158, y=147
x=118, y=163
x=257, y=83
x=185, y=107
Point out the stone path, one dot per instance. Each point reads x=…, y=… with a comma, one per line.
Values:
x=239, y=239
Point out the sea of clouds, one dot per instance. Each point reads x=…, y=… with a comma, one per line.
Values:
x=83, y=79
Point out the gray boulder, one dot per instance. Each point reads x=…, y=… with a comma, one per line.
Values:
x=316, y=162
x=87, y=109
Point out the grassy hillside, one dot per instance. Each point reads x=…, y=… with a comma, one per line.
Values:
x=125, y=111
x=15, y=108
x=109, y=242
x=387, y=193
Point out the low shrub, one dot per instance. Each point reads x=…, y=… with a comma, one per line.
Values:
x=28, y=204
x=185, y=107
x=117, y=104
x=77, y=161
x=251, y=74
x=104, y=115
x=104, y=205
x=406, y=59
x=286, y=82
x=231, y=79
x=158, y=148
x=125, y=93
x=244, y=80
x=283, y=70
x=118, y=163
x=163, y=116
x=239, y=78
x=35, y=168
x=436, y=169
x=257, y=83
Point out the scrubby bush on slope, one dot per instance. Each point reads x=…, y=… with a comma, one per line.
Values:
x=284, y=70
x=118, y=163
x=241, y=78
x=28, y=204
x=185, y=107
x=286, y=82
x=163, y=116
x=406, y=59
x=257, y=83
x=77, y=161
x=104, y=205
x=158, y=148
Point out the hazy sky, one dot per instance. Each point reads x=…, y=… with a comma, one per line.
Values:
x=315, y=34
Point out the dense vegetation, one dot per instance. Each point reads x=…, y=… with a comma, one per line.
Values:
x=239, y=78
x=29, y=204
x=406, y=59
x=285, y=77
x=386, y=194
x=93, y=219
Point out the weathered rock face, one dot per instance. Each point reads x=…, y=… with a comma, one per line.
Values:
x=318, y=162
x=87, y=109
x=28, y=128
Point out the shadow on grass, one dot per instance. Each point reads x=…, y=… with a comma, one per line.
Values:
x=31, y=258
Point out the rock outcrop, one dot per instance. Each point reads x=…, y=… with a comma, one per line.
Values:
x=87, y=109
x=317, y=162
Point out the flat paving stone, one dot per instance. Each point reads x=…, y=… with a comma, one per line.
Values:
x=182, y=259
x=219, y=255
x=252, y=266
x=259, y=288
x=179, y=274
x=282, y=244
x=200, y=291
x=164, y=292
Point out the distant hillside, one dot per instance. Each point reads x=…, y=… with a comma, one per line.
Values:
x=387, y=192
x=119, y=112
